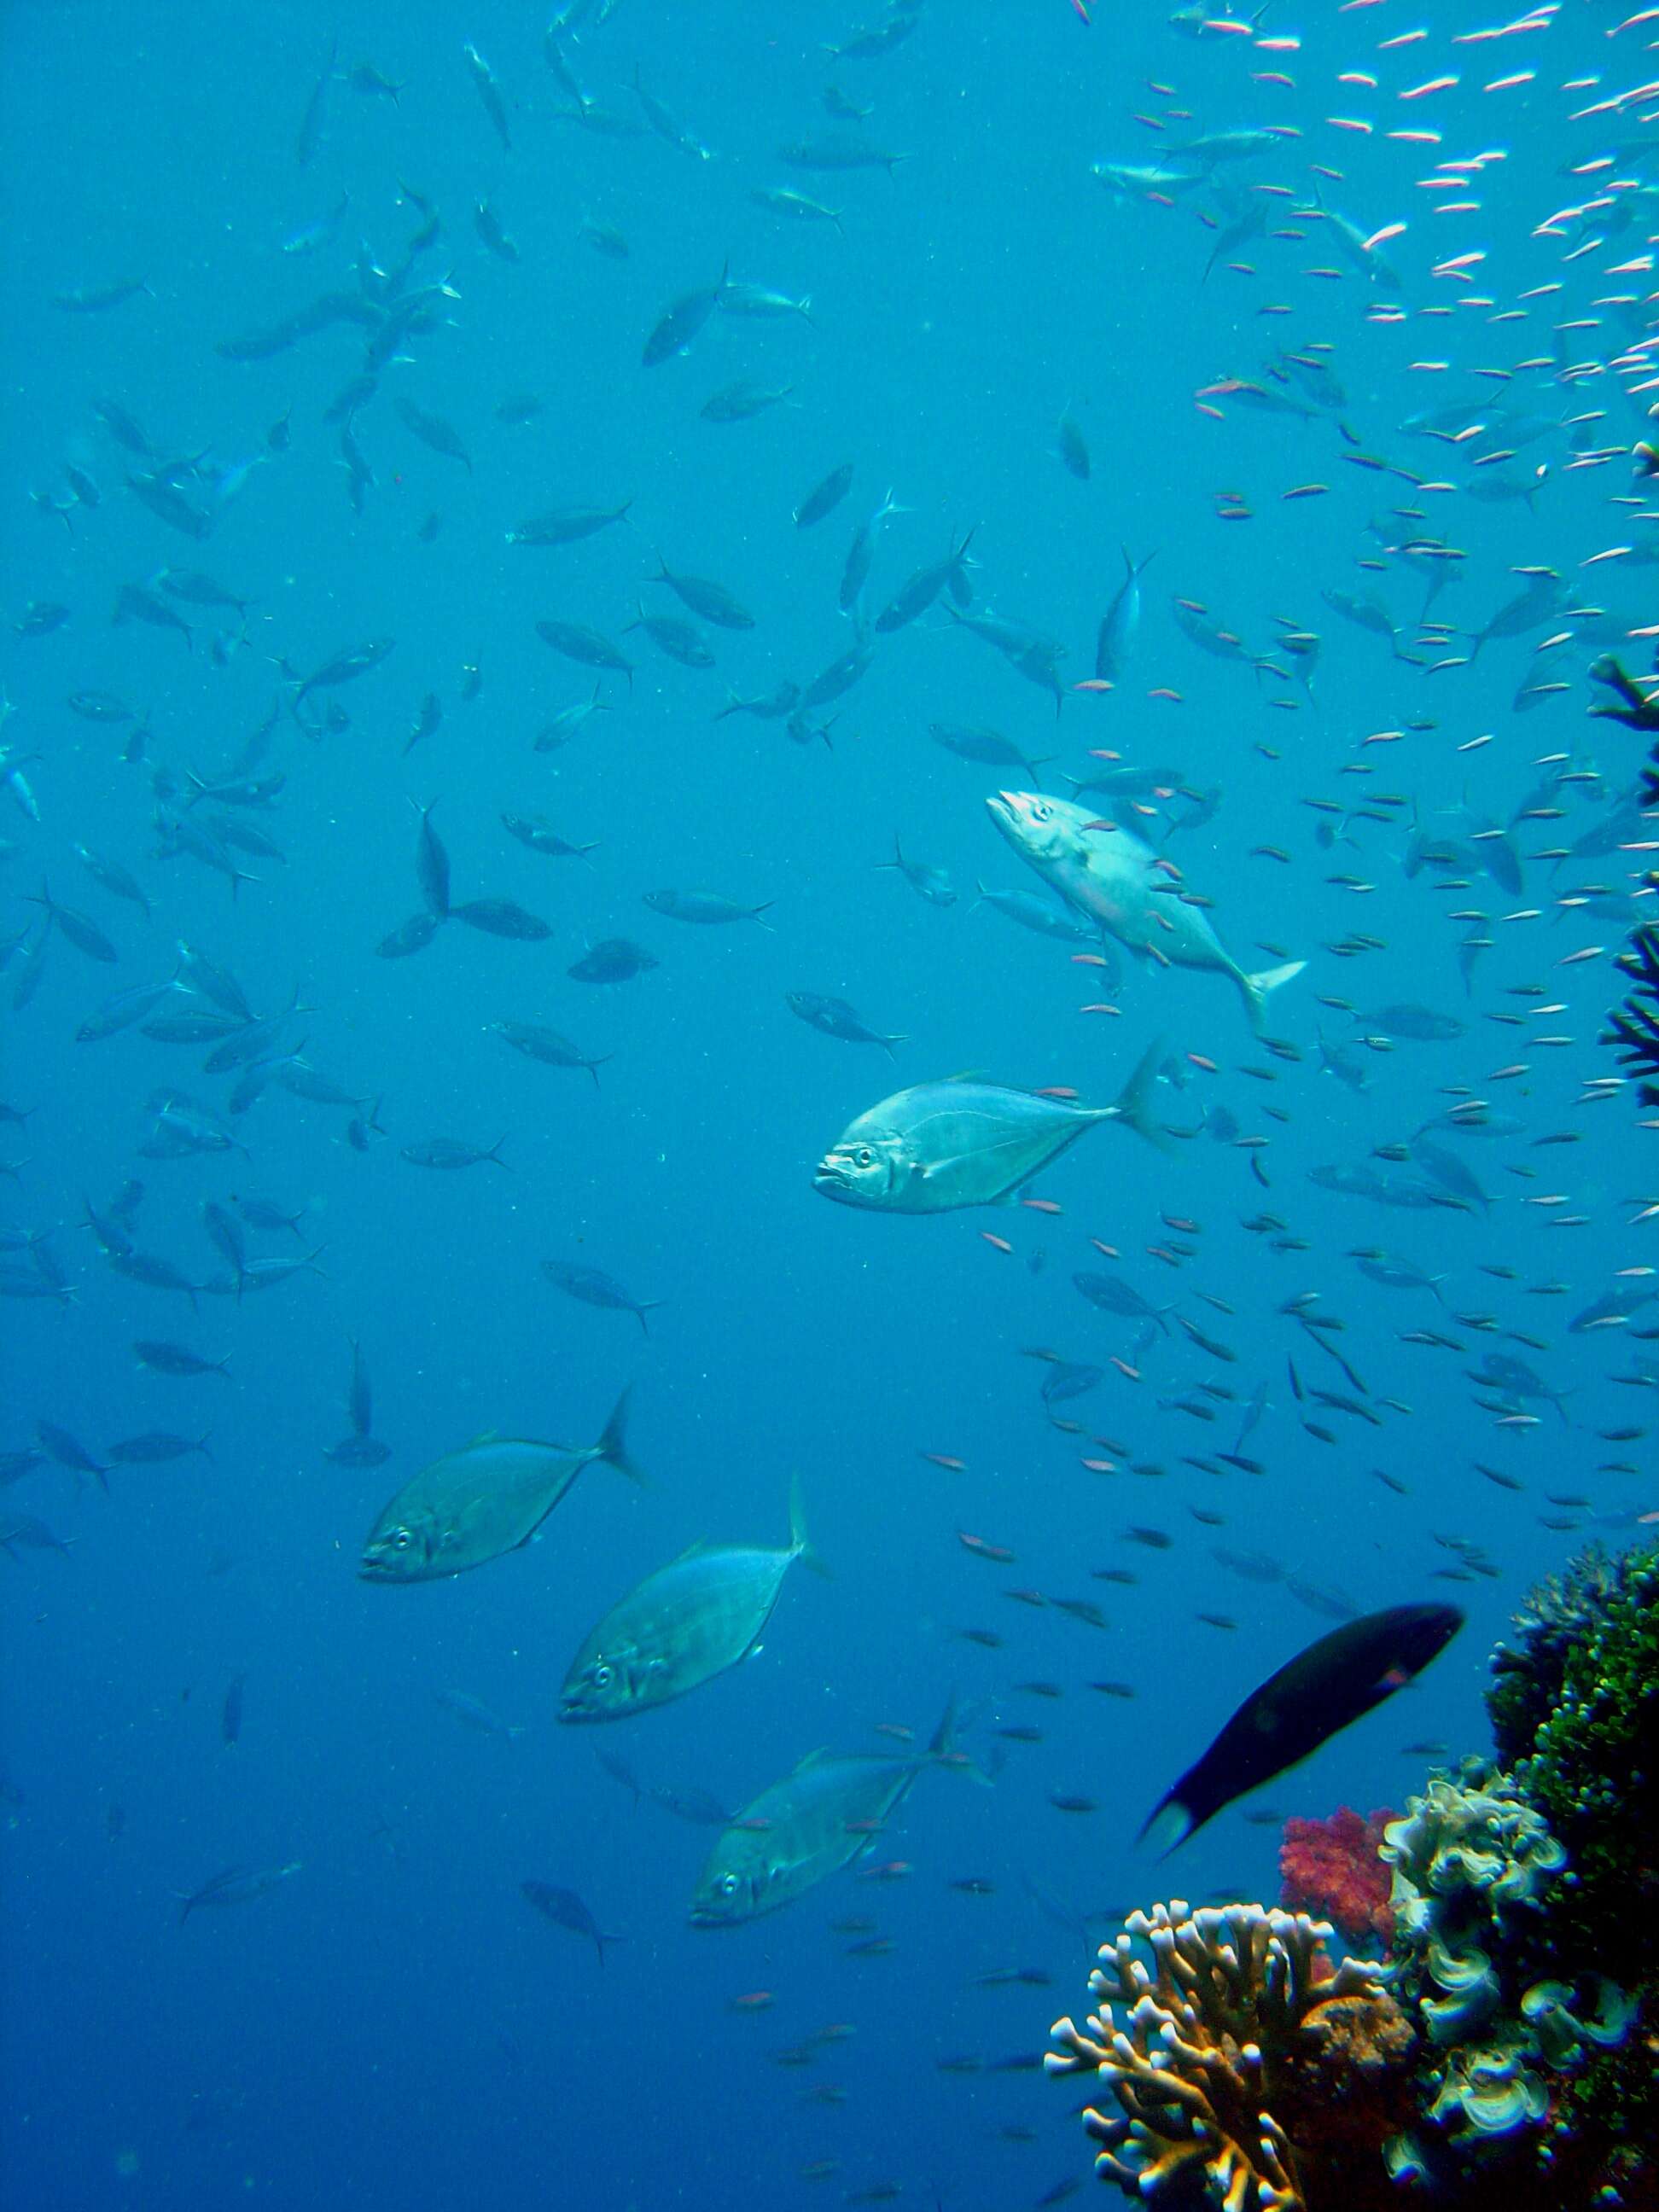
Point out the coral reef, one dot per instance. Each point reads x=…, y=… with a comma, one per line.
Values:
x=1507, y=2060
x=1472, y=1863
x=1247, y=2072
x=1333, y=1866
x=1634, y=702
x=1575, y=1708
x=1527, y=1681
x=1633, y=1025
x=1526, y=1941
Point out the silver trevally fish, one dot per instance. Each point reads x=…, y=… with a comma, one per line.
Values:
x=939, y=1146
x=1115, y=878
x=681, y=1626
x=488, y=1497
x=807, y=1826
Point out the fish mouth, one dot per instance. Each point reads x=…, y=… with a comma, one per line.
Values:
x=830, y=1179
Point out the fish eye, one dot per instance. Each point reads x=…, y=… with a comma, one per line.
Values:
x=864, y=1156
x=1041, y=812
x=401, y=1540
x=728, y=1885
x=602, y=1677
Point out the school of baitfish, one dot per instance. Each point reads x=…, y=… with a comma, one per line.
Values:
x=1358, y=748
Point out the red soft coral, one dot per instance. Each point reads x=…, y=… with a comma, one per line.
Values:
x=1331, y=1867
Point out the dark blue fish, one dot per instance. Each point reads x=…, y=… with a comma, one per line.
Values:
x=594, y=1287
x=1325, y=1688
x=565, y=1910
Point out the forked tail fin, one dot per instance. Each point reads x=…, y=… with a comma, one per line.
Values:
x=1257, y=988
x=943, y=1749
x=1169, y=1824
x=612, y=1447
x=1133, y=1103
x=801, y=1544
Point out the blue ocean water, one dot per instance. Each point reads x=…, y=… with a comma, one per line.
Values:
x=391, y=2023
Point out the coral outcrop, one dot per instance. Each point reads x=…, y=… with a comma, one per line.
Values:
x=1507, y=2059
x=1246, y=2071
x=1473, y=1867
x=1575, y=1708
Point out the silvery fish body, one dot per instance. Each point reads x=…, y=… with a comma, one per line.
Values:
x=679, y=1628
x=940, y=1145
x=1114, y=879
x=473, y=1505
x=803, y=1828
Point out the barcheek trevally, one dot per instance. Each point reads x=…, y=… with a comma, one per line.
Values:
x=940, y=1145
x=681, y=1626
x=1114, y=879
x=807, y=1826
x=475, y=1504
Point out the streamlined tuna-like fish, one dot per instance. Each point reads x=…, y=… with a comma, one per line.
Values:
x=1120, y=625
x=834, y=1018
x=235, y=1886
x=568, y=525
x=1118, y=882
x=1334, y=1683
x=473, y=1505
x=940, y=1145
x=547, y=1046
x=594, y=1287
x=565, y=1910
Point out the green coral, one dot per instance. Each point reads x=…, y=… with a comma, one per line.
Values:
x=1474, y=1866
x=1576, y=1711
x=1527, y=2081
x=1525, y=1899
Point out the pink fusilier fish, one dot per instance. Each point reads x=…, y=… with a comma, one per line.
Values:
x=1118, y=883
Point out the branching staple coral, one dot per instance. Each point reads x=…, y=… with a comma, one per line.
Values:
x=1246, y=2070
x=1633, y=1026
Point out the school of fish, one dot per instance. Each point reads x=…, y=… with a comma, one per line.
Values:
x=1307, y=781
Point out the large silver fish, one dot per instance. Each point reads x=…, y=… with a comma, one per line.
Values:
x=1114, y=879
x=939, y=1146
x=473, y=1505
x=682, y=1626
x=805, y=1826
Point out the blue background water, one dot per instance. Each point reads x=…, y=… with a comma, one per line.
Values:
x=393, y=2024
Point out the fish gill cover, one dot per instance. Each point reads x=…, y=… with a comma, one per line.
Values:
x=588, y=604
